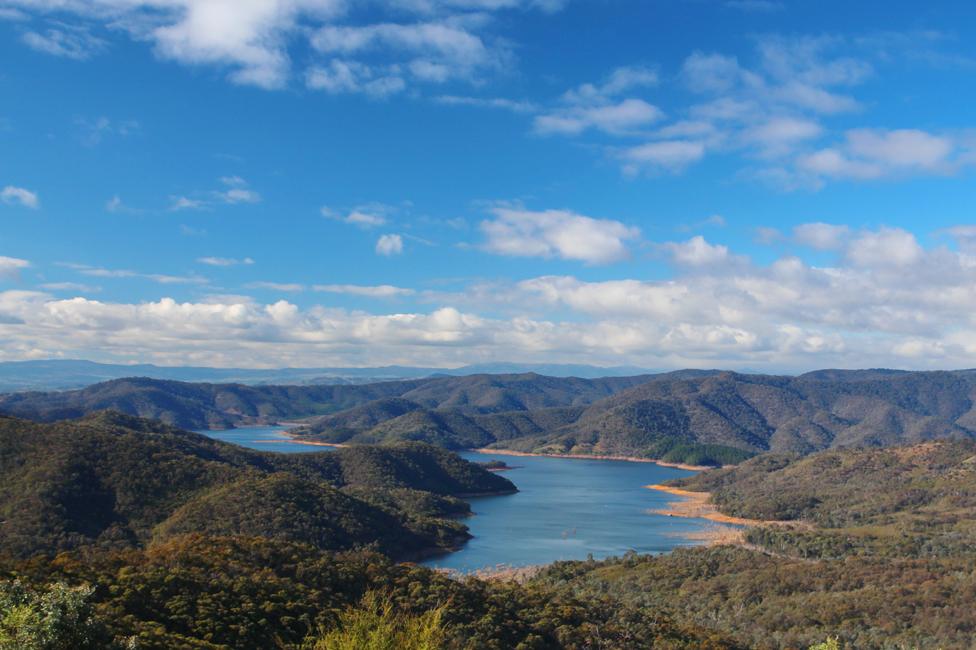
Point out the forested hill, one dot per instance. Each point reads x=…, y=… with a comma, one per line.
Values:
x=704, y=418
x=876, y=552
x=114, y=481
x=216, y=406
x=699, y=417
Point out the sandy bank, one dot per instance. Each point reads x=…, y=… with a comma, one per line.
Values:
x=298, y=441
x=629, y=459
x=695, y=505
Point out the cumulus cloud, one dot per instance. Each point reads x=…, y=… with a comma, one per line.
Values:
x=868, y=154
x=556, y=233
x=12, y=195
x=821, y=236
x=698, y=253
x=389, y=244
x=251, y=40
x=885, y=300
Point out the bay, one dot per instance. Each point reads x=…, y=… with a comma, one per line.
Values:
x=566, y=508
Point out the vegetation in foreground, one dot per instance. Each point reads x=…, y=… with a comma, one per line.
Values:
x=166, y=556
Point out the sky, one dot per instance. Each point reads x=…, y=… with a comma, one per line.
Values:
x=748, y=184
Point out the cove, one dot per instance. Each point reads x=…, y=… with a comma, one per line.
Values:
x=566, y=508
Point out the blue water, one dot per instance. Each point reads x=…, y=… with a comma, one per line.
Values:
x=565, y=509
x=264, y=439
x=568, y=508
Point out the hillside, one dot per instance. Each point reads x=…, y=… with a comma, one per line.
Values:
x=696, y=417
x=880, y=554
x=915, y=500
x=115, y=481
x=219, y=406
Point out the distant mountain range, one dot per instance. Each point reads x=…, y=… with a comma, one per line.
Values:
x=63, y=374
x=691, y=416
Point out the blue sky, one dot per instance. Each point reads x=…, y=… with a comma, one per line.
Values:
x=745, y=184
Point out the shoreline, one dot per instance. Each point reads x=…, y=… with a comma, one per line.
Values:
x=629, y=459
x=696, y=506
x=295, y=441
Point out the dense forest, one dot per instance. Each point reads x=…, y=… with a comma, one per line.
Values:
x=696, y=417
x=879, y=553
x=114, y=481
x=123, y=532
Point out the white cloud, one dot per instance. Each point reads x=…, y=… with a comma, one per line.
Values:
x=431, y=52
x=236, y=192
x=556, y=233
x=779, y=136
x=377, y=291
x=186, y=203
x=252, y=39
x=887, y=247
x=367, y=216
x=12, y=195
x=239, y=195
x=10, y=267
x=67, y=41
x=340, y=77
x=159, y=278
x=697, y=252
x=624, y=116
x=287, y=287
x=70, y=286
x=225, y=261
x=868, y=154
x=887, y=301
x=390, y=244
x=592, y=106
x=515, y=106
x=821, y=236
x=619, y=81
x=672, y=155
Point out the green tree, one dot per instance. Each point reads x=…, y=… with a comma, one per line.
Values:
x=376, y=625
x=55, y=618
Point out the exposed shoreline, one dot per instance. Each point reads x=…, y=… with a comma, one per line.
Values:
x=695, y=505
x=629, y=459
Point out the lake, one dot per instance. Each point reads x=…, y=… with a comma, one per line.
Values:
x=566, y=508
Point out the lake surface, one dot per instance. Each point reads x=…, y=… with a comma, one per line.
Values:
x=264, y=439
x=566, y=508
